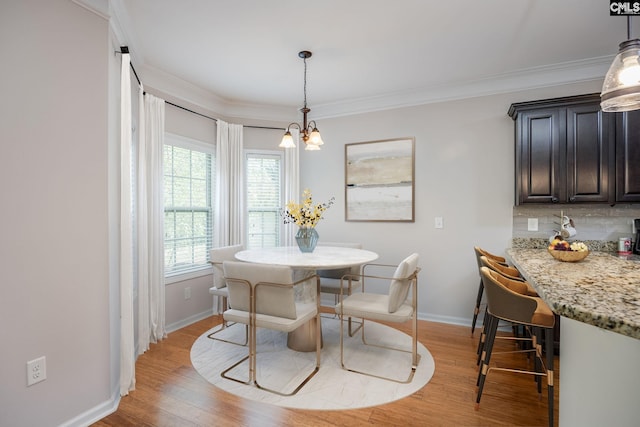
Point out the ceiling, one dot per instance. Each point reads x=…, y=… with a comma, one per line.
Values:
x=367, y=54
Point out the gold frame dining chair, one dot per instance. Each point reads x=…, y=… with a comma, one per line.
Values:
x=399, y=305
x=263, y=296
x=216, y=257
x=505, y=302
x=331, y=279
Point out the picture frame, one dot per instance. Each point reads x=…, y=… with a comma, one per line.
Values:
x=380, y=180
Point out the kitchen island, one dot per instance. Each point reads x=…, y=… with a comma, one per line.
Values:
x=598, y=300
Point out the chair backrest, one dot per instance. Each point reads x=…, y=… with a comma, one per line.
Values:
x=504, y=302
x=511, y=272
x=276, y=301
x=217, y=257
x=400, y=286
x=480, y=252
x=337, y=273
x=515, y=284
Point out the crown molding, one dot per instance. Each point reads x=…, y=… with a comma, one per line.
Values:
x=99, y=7
x=534, y=78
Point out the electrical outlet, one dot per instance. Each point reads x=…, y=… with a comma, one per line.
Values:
x=187, y=292
x=438, y=223
x=36, y=370
x=532, y=224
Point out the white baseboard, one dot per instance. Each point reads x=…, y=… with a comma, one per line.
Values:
x=450, y=320
x=95, y=414
x=189, y=320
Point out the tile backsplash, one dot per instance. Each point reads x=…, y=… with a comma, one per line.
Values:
x=592, y=222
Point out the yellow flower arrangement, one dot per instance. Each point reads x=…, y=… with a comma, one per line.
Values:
x=305, y=214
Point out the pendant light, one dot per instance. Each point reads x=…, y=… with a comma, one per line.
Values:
x=621, y=87
x=308, y=131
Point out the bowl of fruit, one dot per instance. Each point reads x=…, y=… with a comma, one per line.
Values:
x=568, y=252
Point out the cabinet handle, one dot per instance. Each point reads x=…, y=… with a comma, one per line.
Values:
x=554, y=199
x=572, y=199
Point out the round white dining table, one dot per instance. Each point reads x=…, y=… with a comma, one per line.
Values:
x=322, y=258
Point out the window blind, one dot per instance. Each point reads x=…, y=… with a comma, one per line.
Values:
x=264, y=199
x=188, y=197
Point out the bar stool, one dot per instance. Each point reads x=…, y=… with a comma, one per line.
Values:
x=496, y=258
x=511, y=277
x=504, y=303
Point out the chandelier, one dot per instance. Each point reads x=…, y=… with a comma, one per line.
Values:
x=621, y=87
x=308, y=131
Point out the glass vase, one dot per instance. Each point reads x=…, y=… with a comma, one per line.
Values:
x=307, y=239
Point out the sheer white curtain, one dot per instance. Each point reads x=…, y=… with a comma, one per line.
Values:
x=230, y=225
x=150, y=221
x=291, y=182
x=229, y=217
x=127, y=350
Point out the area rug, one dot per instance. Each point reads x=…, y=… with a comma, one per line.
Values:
x=332, y=388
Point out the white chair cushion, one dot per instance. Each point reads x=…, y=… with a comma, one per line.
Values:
x=218, y=256
x=399, y=288
x=305, y=311
x=271, y=301
x=375, y=307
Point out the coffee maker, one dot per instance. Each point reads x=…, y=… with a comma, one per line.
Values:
x=636, y=244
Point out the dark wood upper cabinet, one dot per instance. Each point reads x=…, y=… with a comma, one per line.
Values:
x=564, y=151
x=628, y=157
x=539, y=155
x=590, y=151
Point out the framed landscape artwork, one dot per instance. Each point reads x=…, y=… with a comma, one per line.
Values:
x=379, y=179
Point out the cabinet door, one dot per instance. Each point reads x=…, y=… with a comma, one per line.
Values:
x=628, y=157
x=539, y=155
x=589, y=154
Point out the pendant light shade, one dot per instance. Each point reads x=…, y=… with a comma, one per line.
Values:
x=287, y=141
x=621, y=87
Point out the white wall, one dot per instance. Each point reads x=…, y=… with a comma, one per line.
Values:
x=464, y=173
x=54, y=295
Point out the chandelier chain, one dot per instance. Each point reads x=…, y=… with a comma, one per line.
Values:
x=305, y=82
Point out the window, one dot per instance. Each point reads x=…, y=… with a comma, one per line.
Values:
x=264, y=198
x=188, y=204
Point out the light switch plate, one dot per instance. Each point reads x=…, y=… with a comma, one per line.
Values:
x=532, y=224
x=438, y=223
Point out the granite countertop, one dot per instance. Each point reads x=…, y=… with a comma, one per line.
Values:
x=601, y=290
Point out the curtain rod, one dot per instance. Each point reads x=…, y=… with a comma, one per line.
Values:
x=125, y=49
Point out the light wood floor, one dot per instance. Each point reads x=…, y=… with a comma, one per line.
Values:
x=169, y=392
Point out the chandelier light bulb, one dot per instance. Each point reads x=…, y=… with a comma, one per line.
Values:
x=315, y=137
x=287, y=141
